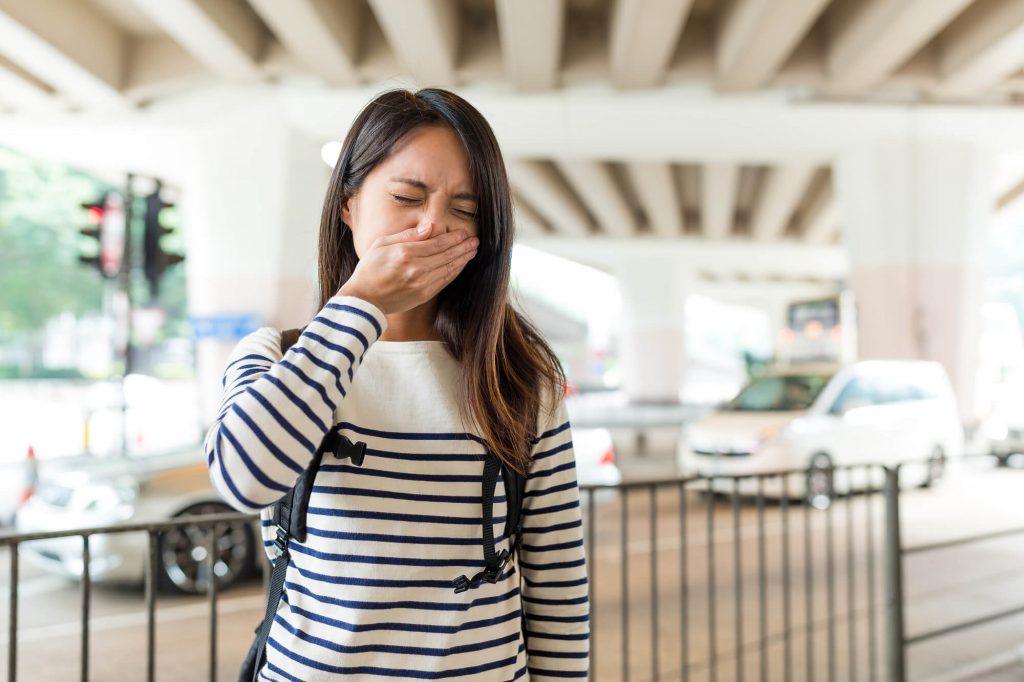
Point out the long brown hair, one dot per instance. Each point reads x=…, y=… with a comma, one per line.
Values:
x=508, y=371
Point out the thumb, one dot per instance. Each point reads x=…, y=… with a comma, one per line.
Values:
x=421, y=231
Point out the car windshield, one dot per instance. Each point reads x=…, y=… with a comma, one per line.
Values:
x=779, y=393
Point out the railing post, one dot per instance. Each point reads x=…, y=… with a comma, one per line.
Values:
x=895, y=634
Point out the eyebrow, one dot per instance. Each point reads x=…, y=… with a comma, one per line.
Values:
x=419, y=184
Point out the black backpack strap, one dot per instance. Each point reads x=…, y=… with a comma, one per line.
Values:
x=493, y=562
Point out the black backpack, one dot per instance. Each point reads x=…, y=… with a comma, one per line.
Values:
x=289, y=516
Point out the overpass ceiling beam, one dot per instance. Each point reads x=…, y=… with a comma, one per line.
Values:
x=226, y=36
x=643, y=37
x=821, y=217
x=656, y=189
x=68, y=45
x=540, y=185
x=593, y=183
x=527, y=221
x=532, y=36
x=780, y=195
x=21, y=90
x=983, y=47
x=757, y=36
x=323, y=35
x=869, y=40
x=424, y=35
x=718, y=189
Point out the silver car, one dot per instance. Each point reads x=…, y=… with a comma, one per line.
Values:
x=89, y=492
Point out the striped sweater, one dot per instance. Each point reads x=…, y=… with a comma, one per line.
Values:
x=369, y=595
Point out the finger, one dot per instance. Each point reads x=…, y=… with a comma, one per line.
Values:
x=443, y=275
x=411, y=234
x=438, y=259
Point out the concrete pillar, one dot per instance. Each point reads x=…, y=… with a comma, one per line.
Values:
x=251, y=210
x=915, y=217
x=651, y=344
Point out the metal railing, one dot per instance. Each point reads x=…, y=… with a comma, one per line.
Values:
x=838, y=588
x=207, y=521
x=898, y=671
x=751, y=543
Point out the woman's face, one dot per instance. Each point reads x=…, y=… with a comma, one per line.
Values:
x=426, y=179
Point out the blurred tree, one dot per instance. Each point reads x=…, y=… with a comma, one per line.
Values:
x=40, y=275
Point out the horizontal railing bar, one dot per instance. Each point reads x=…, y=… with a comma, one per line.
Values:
x=967, y=624
x=957, y=542
x=201, y=520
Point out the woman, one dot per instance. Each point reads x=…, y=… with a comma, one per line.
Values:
x=417, y=352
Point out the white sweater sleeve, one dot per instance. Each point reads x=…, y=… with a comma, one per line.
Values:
x=555, y=584
x=276, y=410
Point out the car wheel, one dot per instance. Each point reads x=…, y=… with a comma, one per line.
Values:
x=935, y=467
x=183, y=567
x=820, y=481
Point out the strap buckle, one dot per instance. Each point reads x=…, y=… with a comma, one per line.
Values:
x=281, y=541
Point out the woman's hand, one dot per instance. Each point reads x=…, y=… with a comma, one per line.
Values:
x=403, y=270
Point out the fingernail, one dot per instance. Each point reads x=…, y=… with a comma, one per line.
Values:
x=422, y=228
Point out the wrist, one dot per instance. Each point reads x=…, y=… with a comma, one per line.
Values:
x=347, y=290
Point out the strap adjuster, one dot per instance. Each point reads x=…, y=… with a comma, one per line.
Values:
x=281, y=541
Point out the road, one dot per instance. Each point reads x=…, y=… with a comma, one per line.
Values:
x=942, y=587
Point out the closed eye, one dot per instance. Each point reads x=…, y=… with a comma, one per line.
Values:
x=404, y=200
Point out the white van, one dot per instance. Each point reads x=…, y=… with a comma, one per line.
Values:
x=816, y=417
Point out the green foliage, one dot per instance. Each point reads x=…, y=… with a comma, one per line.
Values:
x=40, y=275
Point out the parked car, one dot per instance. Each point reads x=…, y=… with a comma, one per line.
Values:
x=85, y=492
x=821, y=416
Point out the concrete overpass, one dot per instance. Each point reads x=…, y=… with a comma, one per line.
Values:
x=757, y=148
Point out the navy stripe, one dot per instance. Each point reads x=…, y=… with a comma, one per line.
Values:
x=400, y=539
x=298, y=402
x=337, y=326
x=395, y=649
x=551, y=453
x=380, y=582
x=409, y=435
x=554, y=583
x=551, y=635
x=227, y=478
x=554, y=547
x=472, y=564
x=277, y=452
x=408, y=604
x=321, y=391
x=324, y=366
x=553, y=508
x=336, y=348
x=405, y=627
x=556, y=602
x=250, y=356
x=256, y=472
x=282, y=422
x=566, y=466
x=394, y=516
x=558, y=526
x=551, y=566
x=558, y=673
x=553, y=489
x=387, y=494
x=402, y=476
x=358, y=311
x=558, y=654
x=389, y=672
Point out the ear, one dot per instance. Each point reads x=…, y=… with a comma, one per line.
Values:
x=346, y=214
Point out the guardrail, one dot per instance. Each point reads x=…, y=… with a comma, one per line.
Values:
x=810, y=571
x=207, y=521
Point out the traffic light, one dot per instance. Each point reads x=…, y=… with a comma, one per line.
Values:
x=155, y=259
x=107, y=225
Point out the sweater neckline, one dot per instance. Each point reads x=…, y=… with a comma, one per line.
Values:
x=419, y=346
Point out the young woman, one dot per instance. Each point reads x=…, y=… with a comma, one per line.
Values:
x=416, y=352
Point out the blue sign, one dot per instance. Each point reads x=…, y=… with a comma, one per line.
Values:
x=225, y=327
